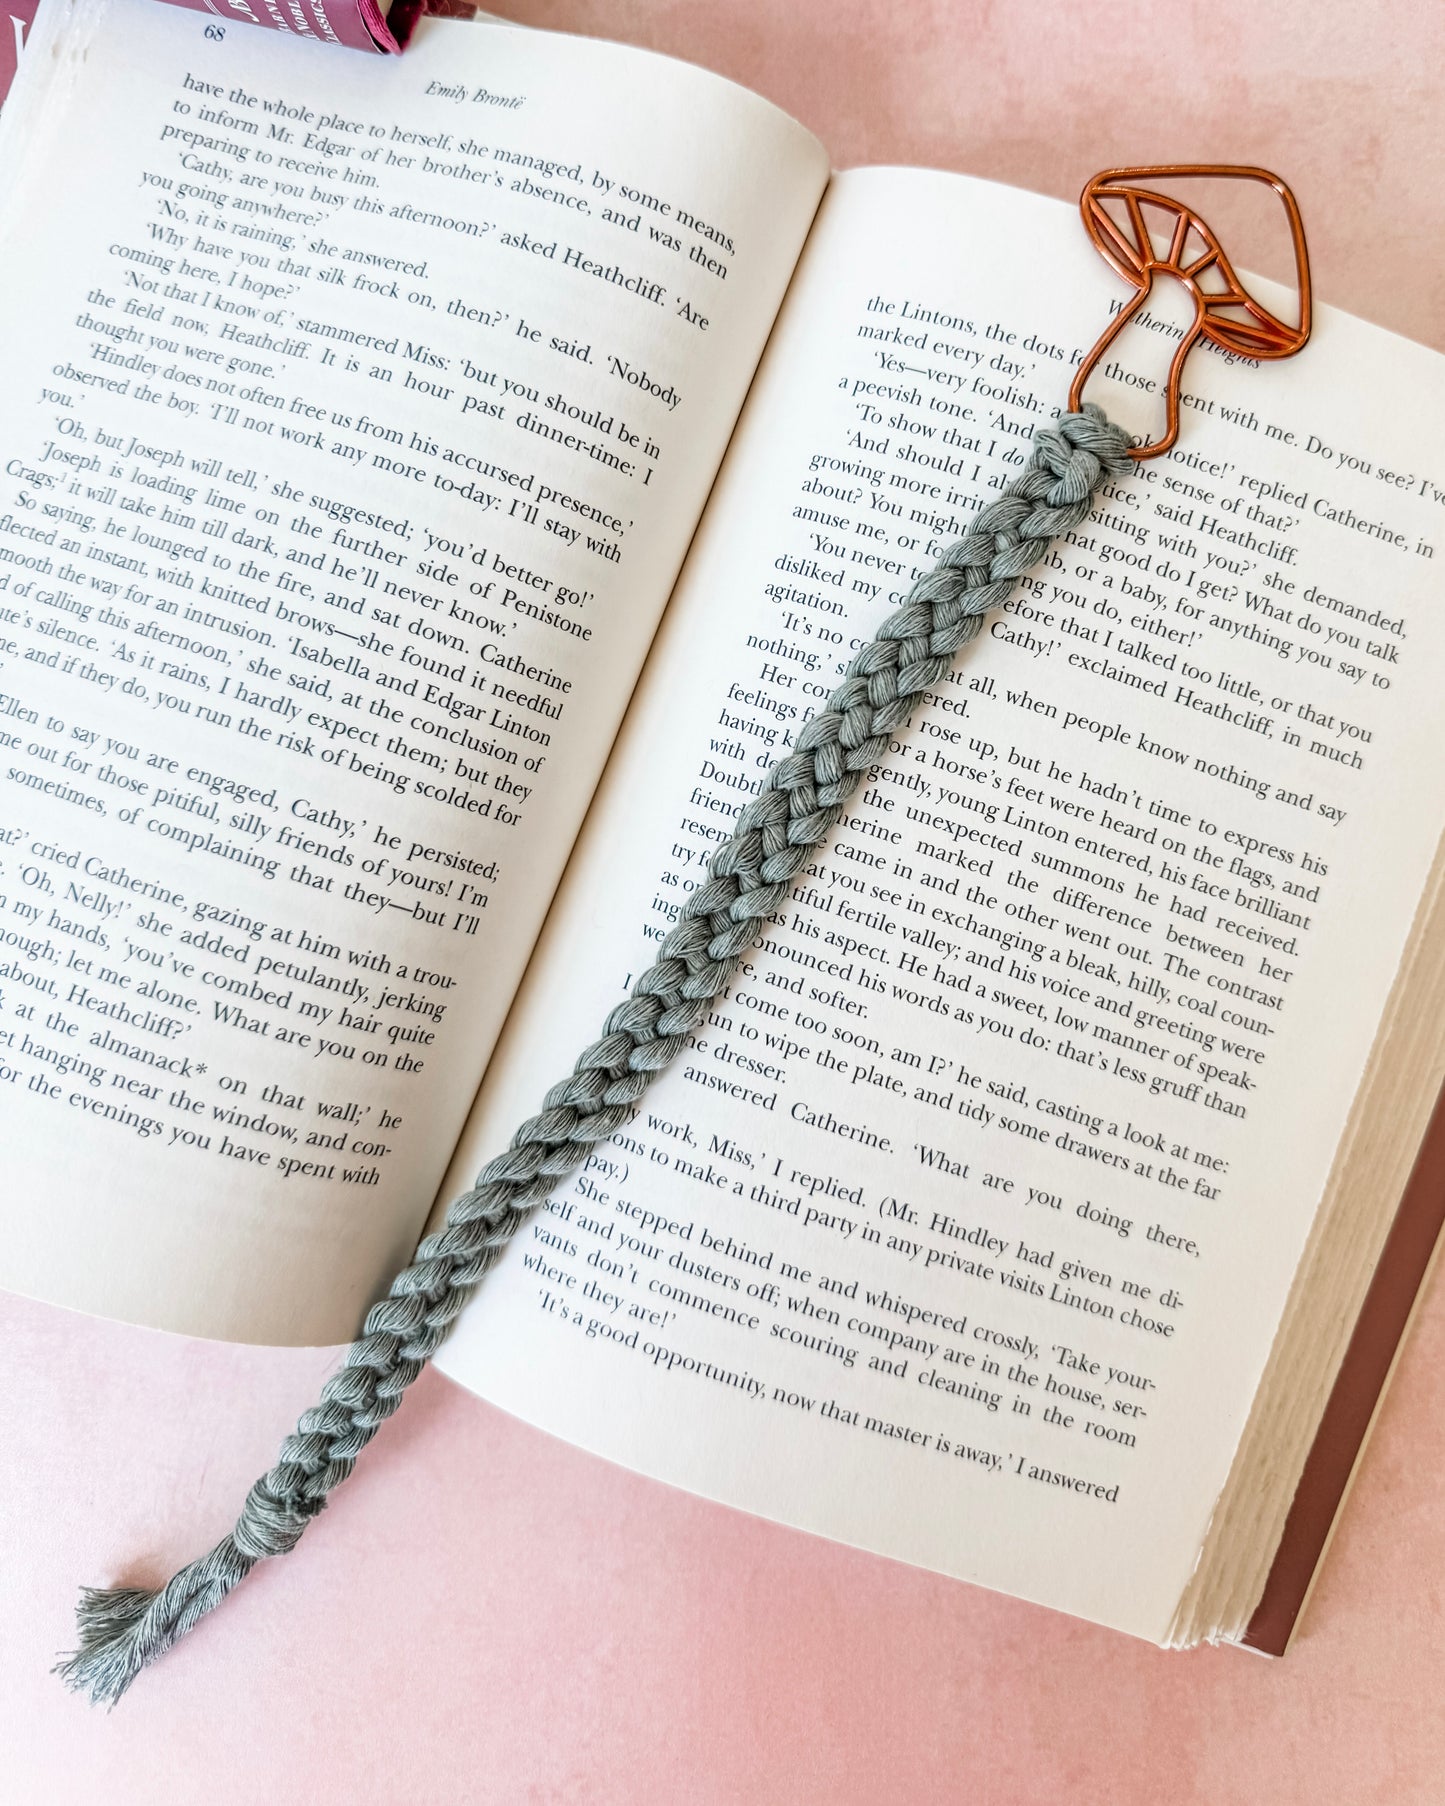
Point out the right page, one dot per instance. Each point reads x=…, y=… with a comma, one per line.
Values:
x=964, y=1230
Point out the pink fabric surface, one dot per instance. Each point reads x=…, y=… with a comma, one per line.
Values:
x=485, y=1614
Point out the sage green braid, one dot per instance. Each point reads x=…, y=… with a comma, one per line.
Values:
x=748, y=878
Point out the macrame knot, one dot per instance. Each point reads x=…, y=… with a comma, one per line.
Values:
x=269, y=1525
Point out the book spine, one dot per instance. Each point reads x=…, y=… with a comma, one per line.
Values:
x=21, y=16
x=353, y=24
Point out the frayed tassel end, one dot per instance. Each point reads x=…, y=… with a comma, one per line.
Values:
x=124, y=1629
x=110, y=1655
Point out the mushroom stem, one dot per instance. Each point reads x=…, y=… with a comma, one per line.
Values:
x=1169, y=384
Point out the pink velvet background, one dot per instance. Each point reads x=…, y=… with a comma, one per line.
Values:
x=485, y=1614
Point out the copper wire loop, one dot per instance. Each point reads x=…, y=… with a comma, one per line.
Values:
x=1118, y=205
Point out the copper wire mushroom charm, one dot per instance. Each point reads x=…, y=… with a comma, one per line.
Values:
x=1117, y=205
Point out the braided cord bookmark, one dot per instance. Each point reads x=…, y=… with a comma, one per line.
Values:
x=749, y=876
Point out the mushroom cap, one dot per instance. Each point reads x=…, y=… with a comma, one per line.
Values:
x=1114, y=205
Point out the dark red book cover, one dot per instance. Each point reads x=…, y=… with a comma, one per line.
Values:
x=1356, y=1395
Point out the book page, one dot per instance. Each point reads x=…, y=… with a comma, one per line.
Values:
x=963, y=1230
x=359, y=411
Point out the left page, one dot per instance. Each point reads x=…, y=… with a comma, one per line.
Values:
x=357, y=413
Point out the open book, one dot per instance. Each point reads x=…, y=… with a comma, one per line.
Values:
x=434, y=490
